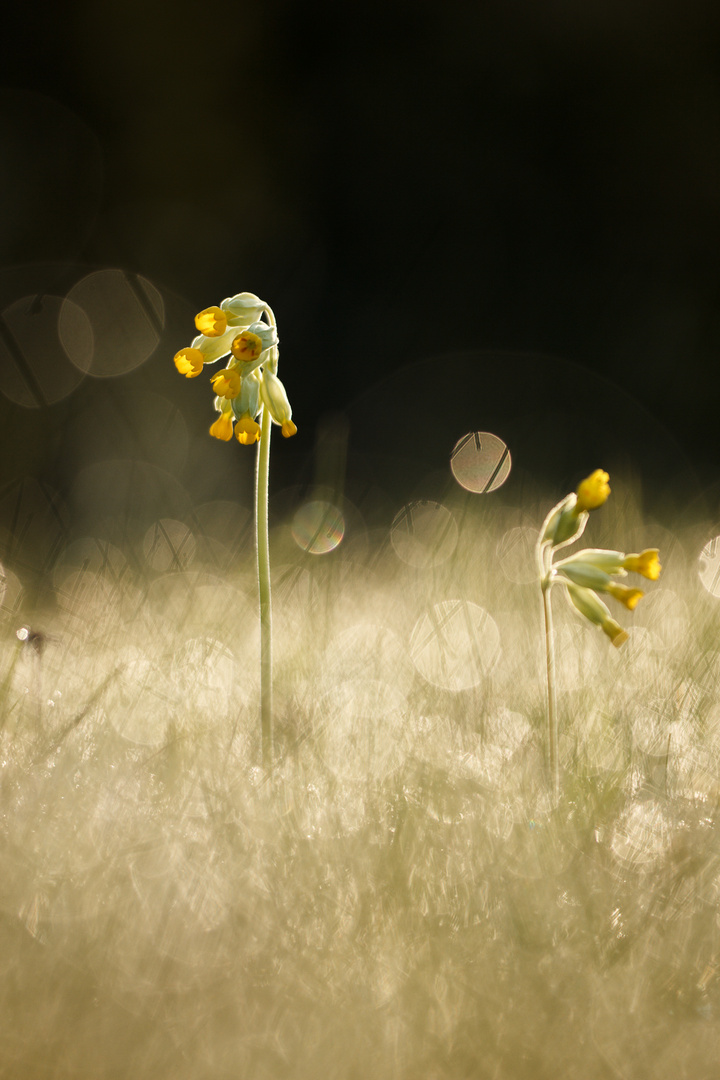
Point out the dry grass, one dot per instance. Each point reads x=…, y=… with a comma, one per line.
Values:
x=401, y=900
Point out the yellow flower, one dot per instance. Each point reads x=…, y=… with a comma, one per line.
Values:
x=288, y=429
x=189, y=362
x=246, y=346
x=226, y=383
x=627, y=596
x=212, y=322
x=646, y=563
x=592, y=491
x=223, y=427
x=247, y=431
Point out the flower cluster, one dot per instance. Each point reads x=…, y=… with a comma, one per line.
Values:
x=244, y=333
x=594, y=570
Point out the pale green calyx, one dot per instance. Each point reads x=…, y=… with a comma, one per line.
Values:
x=591, y=606
x=243, y=309
x=564, y=523
x=247, y=403
x=268, y=334
x=582, y=573
x=612, y=562
x=275, y=399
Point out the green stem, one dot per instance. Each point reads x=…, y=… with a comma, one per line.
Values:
x=552, y=699
x=262, y=479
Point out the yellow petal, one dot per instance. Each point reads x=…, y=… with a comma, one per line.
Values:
x=189, y=362
x=211, y=321
x=247, y=431
x=246, y=346
x=646, y=563
x=628, y=597
x=223, y=427
x=226, y=384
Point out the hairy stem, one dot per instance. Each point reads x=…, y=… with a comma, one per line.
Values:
x=262, y=478
x=551, y=692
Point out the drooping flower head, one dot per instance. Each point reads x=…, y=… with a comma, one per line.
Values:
x=594, y=571
x=241, y=329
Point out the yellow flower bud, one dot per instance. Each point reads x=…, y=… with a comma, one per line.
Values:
x=627, y=596
x=212, y=322
x=226, y=383
x=223, y=427
x=247, y=431
x=189, y=362
x=288, y=429
x=646, y=563
x=246, y=346
x=593, y=491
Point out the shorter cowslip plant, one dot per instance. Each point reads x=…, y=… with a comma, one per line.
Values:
x=584, y=576
x=243, y=331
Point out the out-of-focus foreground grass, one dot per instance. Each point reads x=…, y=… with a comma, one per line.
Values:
x=402, y=900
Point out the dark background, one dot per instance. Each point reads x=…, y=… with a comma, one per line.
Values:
x=501, y=216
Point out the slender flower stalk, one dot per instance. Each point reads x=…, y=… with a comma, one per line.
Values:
x=243, y=330
x=584, y=576
x=553, y=759
x=262, y=541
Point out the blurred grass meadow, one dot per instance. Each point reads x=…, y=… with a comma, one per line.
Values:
x=402, y=899
x=467, y=222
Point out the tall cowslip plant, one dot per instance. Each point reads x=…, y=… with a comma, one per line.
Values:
x=243, y=331
x=584, y=576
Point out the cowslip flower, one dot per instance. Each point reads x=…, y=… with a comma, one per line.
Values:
x=647, y=563
x=212, y=322
x=243, y=330
x=189, y=362
x=590, y=576
x=234, y=312
x=245, y=408
x=275, y=399
x=625, y=595
x=226, y=383
x=223, y=426
x=583, y=576
x=247, y=431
